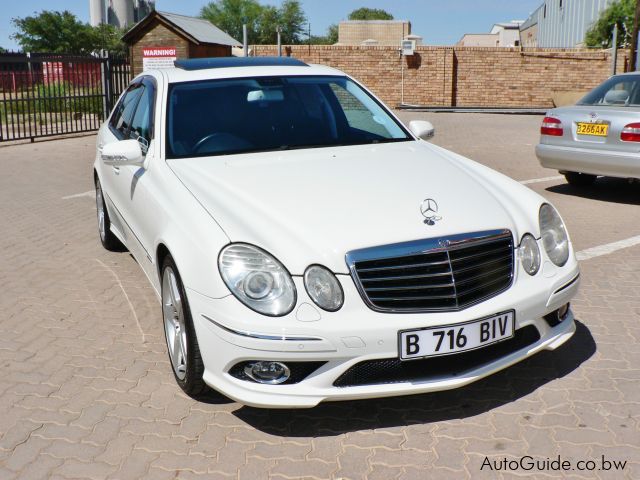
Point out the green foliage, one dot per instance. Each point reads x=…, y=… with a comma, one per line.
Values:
x=62, y=32
x=365, y=13
x=56, y=32
x=107, y=37
x=329, y=39
x=261, y=20
x=291, y=19
x=230, y=15
x=620, y=13
x=54, y=97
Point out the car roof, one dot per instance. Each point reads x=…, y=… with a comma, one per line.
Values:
x=624, y=74
x=230, y=67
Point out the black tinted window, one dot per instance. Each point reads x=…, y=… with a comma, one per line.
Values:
x=217, y=117
x=121, y=119
x=141, y=122
x=622, y=90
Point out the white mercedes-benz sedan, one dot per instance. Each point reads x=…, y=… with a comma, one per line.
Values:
x=306, y=246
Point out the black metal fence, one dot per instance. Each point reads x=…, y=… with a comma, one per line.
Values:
x=51, y=94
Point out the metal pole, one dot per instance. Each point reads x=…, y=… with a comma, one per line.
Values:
x=637, y=53
x=245, y=40
x=614, y=50
x=634, y=39
x=402, y=77
x=279, y=30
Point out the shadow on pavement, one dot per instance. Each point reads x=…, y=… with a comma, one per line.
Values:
x=605, y=189
x=334, y=418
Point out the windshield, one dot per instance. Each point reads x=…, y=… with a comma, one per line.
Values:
x=217, y=117
x=622, y=91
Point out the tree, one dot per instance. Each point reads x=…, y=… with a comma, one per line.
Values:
x=262, y=21
x=332, y=34
x=620, y=13
x=289, y=17
x=329, y=39
x=365, y=13
x=62, y=32
x=107, y=37
x=56, y=32
x=230, y=15
x=292, y=20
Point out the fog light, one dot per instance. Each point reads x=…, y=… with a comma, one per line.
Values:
x=268, y=372
x=557, y=316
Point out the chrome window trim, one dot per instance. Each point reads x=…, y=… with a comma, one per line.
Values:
x=263, y=336
x=444, y=244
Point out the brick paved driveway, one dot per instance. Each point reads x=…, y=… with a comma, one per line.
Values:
x=86, y=390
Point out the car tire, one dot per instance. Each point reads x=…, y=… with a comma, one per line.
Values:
x=180, y=335
x=107, y=238
x=577, y=179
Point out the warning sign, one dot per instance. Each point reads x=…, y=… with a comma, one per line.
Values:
x=158, y=57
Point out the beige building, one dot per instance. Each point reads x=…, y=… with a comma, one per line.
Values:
x=529, y=35
x=374, y=32
x=501, y=35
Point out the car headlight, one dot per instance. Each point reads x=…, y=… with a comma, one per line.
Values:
x=257, y=279
x=529, y=254
x=324, y=288
x=554, y=235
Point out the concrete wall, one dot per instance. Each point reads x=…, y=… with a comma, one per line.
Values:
x=385, y=32
x=464, y=76
x=480, y=40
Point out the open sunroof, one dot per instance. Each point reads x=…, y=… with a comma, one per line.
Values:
x=230, y=62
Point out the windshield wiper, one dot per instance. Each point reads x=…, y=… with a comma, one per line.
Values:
x=313, y=145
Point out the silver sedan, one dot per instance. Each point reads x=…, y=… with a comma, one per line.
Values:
x=600, y=135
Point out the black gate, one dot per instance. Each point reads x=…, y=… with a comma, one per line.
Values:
x=50, y=94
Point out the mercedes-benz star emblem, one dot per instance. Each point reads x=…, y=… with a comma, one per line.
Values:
x=429, y=210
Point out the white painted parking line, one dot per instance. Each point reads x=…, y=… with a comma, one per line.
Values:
x=540, y=180
x=133, y=310
x=608, y=248
x=90, y=194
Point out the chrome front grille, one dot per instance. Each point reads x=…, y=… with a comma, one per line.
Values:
x=438, y=274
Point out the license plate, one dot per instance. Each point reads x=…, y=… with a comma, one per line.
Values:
x=595, y=129
x=449, y=339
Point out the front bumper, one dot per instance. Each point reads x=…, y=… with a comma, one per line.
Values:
x=594, y=162
x=229, y=333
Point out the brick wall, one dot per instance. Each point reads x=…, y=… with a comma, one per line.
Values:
x=464, y=76
x=157, y=36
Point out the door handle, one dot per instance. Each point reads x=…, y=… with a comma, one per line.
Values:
x=116, y=170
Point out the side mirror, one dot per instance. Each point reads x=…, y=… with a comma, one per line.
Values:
x=422, y=129
x=123, y=152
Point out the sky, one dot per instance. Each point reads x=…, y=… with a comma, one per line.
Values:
x=439, y=22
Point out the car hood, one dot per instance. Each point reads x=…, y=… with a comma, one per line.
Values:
x=314, y=205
